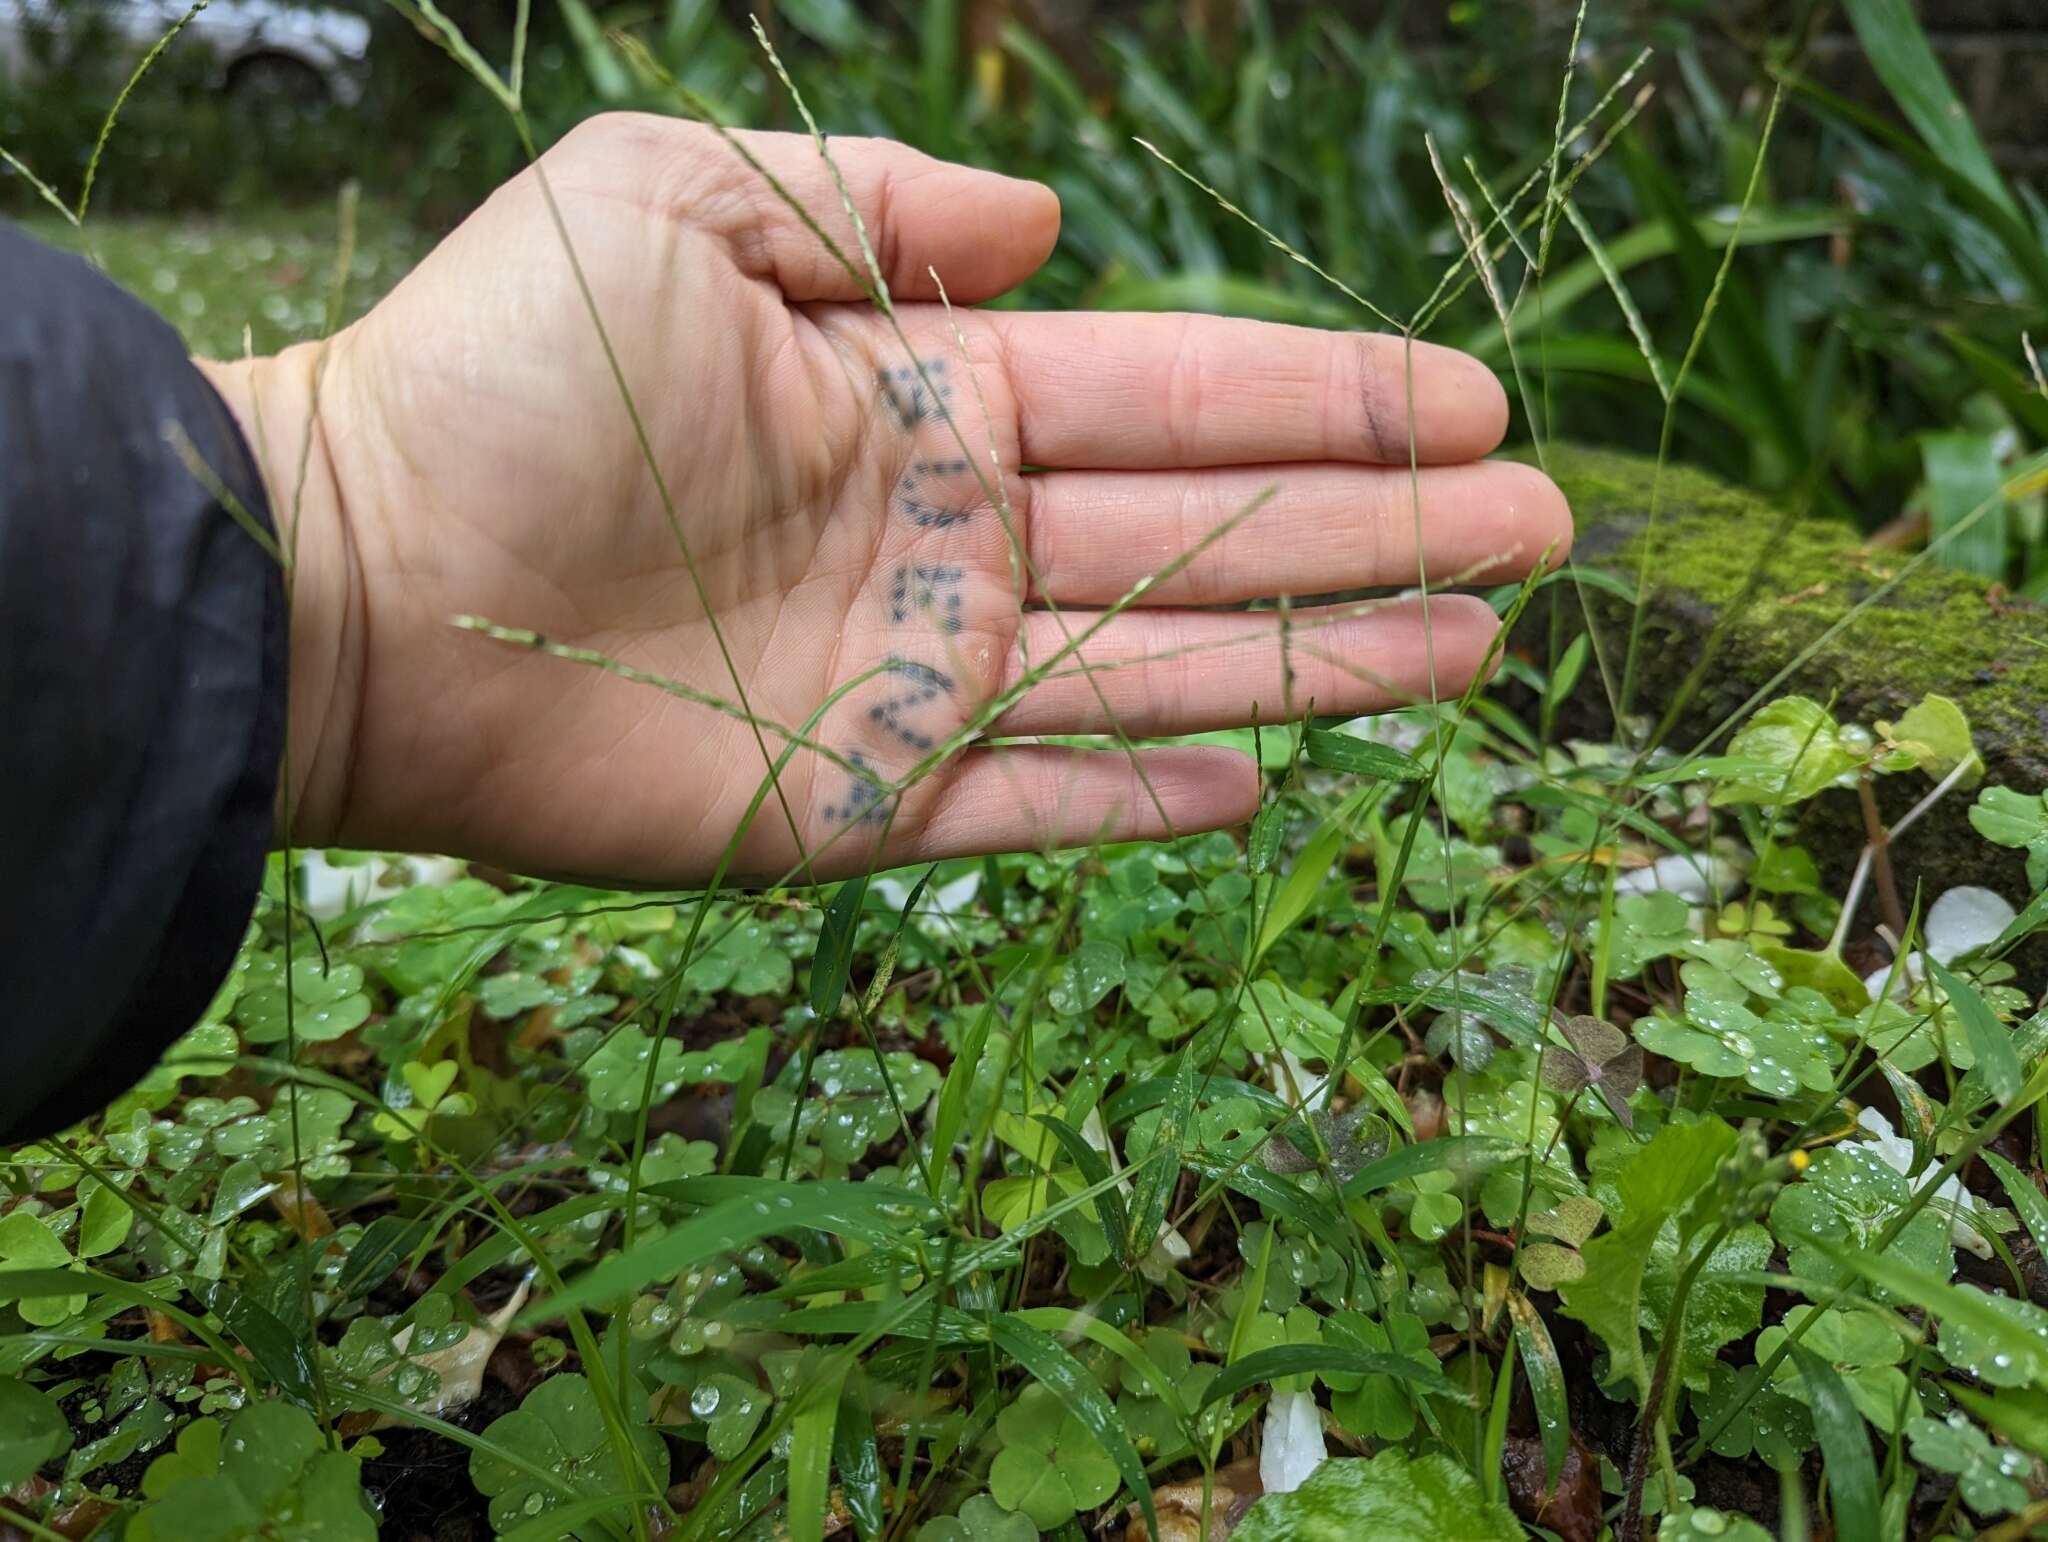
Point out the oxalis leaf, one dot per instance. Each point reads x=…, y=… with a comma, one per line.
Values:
x=1392, y=1495
x=1069, y=1381
x=1654, y=1183
x=1962, y=1305
x=270, y=1475
x=1602, y=1057
x=560, y=1428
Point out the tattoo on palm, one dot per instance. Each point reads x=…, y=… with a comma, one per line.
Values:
x=935, y=493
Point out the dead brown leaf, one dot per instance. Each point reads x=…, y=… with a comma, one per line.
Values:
x=1179, y=1505
x=1572, y=1507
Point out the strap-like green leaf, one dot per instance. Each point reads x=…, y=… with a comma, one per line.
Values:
x=1844, y=1446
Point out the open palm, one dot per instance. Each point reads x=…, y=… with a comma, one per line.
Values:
x=833, y=490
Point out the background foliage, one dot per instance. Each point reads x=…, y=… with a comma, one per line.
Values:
x=1507, y=1135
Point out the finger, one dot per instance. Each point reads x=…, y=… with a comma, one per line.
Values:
x=1035, y=797
x=1098, y=389
x=983, y=232
x=1176, y=672
x=1095, y=534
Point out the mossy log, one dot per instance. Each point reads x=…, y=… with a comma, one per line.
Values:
x=1737, y=590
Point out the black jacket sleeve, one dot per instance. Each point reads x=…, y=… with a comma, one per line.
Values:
x=142, y=691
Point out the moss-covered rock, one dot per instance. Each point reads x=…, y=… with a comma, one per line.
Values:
x=1738, y=590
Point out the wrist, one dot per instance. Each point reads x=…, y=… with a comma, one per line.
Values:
x=274, y=401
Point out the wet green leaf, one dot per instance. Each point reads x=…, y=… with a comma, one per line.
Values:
x=1391, y=1495
x=268, y=1474
x=32, y=1430
x=558, y=1427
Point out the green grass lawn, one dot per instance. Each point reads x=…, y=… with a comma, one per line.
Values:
x=264, y=271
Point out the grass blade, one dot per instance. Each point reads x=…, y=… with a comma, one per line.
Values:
x=1463, y=1154
x=1844, y=1446
x=1546, y=1383
x=1161, y=1171
x=1961, y=1304
x=2027, y=1201
x=1278, y=1196
x=1068, y=1380
x=1898, y=50
x=1095, y=1170
x=1335, y=751
x=760, y=1208
x=833, y=961
x=1989, y=1042
x=1264, y=1365
x=810, y=1459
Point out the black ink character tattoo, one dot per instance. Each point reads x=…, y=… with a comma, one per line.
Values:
x=922, y=590
x=926, y=684
x=866, y=802
x=924, y=511
x=913, y=397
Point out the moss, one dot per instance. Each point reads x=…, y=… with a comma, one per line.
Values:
x=1726, y=565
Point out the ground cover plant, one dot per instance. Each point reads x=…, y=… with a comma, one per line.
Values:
x=1513, y=1132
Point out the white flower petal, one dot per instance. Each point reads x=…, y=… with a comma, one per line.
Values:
x=1292, y=1442
x=329, y=890
x=1896, y=1152
x=1966, y=917
x=1694, y=879
x=1170, y=1249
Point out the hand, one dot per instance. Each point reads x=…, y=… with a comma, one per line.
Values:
x=474, y=455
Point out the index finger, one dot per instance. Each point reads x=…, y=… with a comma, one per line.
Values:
x=1114, y=391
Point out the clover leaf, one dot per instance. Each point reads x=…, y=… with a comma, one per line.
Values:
x=427, y=1096
x=1276, y=1018
x=1992, y=1478
x=327, y=1001
x=2006, y=817
x=1050, y=1467
x=560, y=1428
x=1722, y=1035
x=1546, y=1265
x=748, y=960
x=981, y=1519
x=1933, y=735
x=615, y=1074
x=1090, y=973
x=26, y=1242
x=1646, y=926
x=1601, y=1057
x=1766, y=1421
x=731, y=1408
x=848, y=1106
x=1697, y=1523
x=1376, y=1407
x=267, y=1138
x=1866, y=1353
x=271, y=1474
